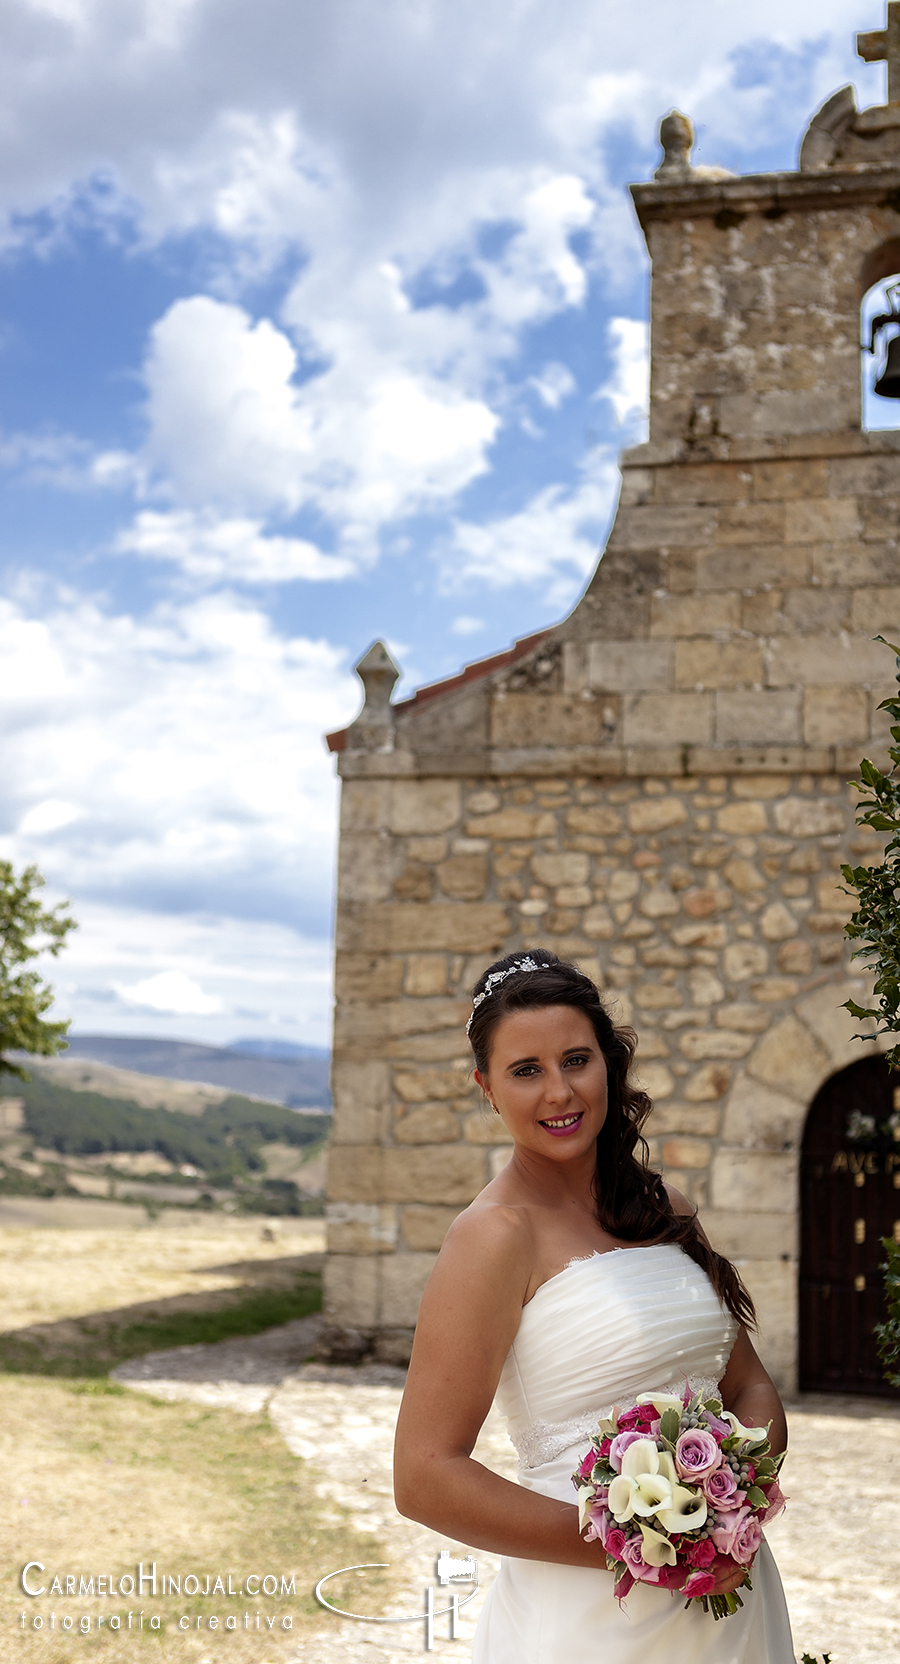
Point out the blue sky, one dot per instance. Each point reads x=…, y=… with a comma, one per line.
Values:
x=317, y=324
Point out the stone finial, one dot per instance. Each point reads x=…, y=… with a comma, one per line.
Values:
x=676, y=135
x=373, y=729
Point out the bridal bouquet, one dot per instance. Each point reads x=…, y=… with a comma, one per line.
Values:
x=676, y=1490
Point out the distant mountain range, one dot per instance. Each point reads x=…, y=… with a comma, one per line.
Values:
x=276, y=1070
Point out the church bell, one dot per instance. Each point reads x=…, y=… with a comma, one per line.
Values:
x=888, y=383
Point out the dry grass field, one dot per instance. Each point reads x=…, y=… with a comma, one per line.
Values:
x=77, y=1298
x=98, y=1479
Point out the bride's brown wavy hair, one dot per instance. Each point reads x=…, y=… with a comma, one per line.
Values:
x=632, y=1201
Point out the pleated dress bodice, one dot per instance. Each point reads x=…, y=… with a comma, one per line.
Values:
x=603, y=1330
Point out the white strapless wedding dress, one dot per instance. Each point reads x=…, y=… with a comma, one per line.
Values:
x=603, y=1330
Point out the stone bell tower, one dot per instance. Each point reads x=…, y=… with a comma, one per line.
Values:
x=657, y=787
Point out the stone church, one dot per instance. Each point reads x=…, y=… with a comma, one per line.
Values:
x=657, y=788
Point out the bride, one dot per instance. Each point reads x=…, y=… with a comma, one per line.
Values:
x=576, y=1280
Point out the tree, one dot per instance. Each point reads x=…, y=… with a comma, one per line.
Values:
x=27, y=929
x=876, y=925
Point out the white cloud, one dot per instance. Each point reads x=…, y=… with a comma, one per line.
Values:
x=191, y=743
x=628, y=387
x=225, y=424
x=552, y=543
x=364, y=442
x=265, y=977
x=466, y=625
x=173, y=992
x=47, y=817
x=374, y=149
x=227, y=551
x=554, y=384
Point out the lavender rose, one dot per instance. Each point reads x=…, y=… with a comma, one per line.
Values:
x=721, y=1490
x=599, y=1521
x=619, y=1446
x=696, y=1455
x=632, y=1554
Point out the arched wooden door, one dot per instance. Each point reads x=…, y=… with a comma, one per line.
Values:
x=849, y=1201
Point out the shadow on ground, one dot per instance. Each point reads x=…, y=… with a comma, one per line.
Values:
x=270, y=1293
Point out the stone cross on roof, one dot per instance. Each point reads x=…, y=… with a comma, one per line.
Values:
x=883, y=45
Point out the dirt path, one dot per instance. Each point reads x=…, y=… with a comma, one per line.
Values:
x=840, y=1575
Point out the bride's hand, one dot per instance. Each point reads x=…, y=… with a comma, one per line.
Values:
x=728, y=1579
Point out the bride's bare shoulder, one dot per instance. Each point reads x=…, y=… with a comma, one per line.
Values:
x=496, y=1238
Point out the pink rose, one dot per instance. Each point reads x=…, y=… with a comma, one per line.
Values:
x=628, y=1419
x=717, y=1425
x=619, y=1446
x=702, y=1553
x=721, y=1490
x=696, y=1455
x=699, y=1583
x=748, y=1542
x=738, y=1535
x=632, y=1554
x=604, y=1446
x=614, y=1542
x=775, y=1499
x=586, y=1466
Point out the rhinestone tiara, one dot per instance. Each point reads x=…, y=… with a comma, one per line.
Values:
x=526, y=964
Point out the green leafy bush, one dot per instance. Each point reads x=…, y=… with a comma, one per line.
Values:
x=875, y=923
x=27, y=929
x=888, y=1333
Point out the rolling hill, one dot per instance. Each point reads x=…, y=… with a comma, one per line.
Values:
x=297, y=1081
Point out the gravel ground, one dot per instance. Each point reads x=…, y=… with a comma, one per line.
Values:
x=840, y=1575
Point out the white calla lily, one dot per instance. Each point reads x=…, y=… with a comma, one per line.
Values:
x=585, y=1499
x=654, y=1493
x=656, y=1549
x=667, y=1467
x=661, y=1401
x=686, y=1512
x=640, y=1457
x=747, y=1435
x=621, y=1498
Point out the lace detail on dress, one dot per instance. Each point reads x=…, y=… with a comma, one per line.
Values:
x=544, y=1441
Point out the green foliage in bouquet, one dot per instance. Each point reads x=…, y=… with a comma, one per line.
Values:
x=27, y=929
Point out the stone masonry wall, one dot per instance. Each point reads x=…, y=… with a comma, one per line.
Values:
x=710, y=912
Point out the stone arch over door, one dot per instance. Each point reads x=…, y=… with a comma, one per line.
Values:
x=849, y=1201
x=754, y=1215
